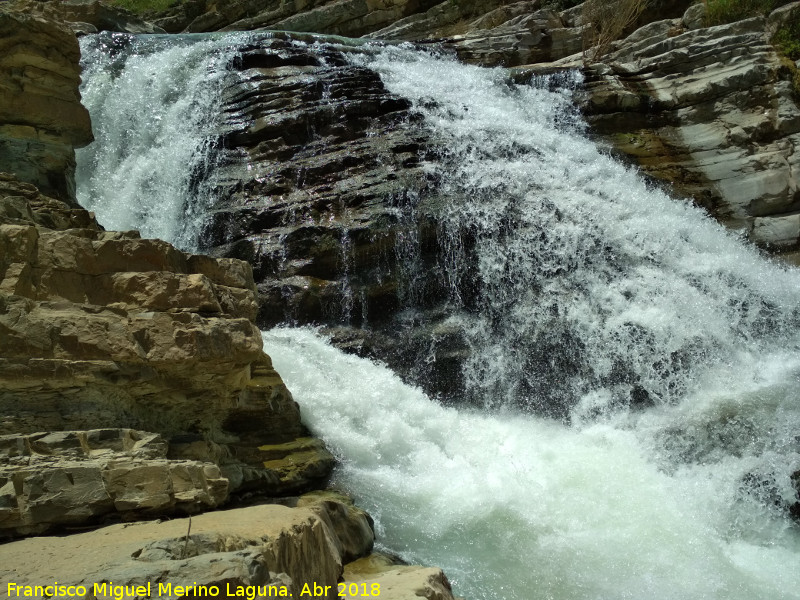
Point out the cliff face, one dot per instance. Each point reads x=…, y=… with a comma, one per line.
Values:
x=41, y=118
x=713, y=112
x=131, y=374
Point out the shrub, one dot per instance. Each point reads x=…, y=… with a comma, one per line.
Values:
x=607, y=21
x=787, y=40
x=719, y=12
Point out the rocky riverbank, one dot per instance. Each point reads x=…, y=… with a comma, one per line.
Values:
x=133, y=386
x=132, y=381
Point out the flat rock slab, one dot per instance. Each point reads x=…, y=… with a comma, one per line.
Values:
x=254, y=546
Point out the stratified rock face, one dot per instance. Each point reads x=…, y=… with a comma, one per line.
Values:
x=713, y=112
x=330, y=157
x=41, y=118
x=341, y=17
x=321, y=189
x=269, y=545
x=86, y=16
x=493, y=33
x=71, y=477
x=105, y=330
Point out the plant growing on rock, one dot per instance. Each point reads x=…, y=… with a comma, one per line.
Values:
x=719, y=12
x=606, y=22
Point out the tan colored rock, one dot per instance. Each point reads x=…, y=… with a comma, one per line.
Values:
x=253, y=546
x=106, y=330
x=41, y=118
x=377, y=573
x=77, y=477
x=353, y=527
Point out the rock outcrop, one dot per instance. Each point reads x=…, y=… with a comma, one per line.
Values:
x=302, y=549
x=41, y=118
x=396, y=581
x=321, y=187
x=267, y=545
x=713, y=112
x=106, y=331
x=86, y=16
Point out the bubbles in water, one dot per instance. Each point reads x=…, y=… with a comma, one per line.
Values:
x=154, y=102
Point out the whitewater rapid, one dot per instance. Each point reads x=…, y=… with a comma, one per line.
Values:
x=633, y=368
x=154, y=103
x=515, y=507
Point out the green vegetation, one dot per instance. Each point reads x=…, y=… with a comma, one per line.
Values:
x=787, y=40
x=141, y=7
x=608, y=21
x=728, y=11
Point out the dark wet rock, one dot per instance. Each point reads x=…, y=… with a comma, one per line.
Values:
x=322, y=189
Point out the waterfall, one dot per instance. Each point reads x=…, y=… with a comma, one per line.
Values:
x=633, y=367
x=154, y=102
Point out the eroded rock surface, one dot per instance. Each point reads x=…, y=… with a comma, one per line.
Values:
x=73, y=477
x=103, y=330
x=397, y=581
x=41, y=118
x=86, y=16
x=322, y=189
x=712, y=111
x=255, y=546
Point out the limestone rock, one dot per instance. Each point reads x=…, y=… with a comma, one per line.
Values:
x=712, y=111
x=106, y=330
x=255, y=546
x=41, y=118
x=353, y=527
x=397, y=582
x=77, y=477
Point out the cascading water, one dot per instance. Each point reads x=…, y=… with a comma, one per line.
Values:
x=668, y=350
x=154, y=102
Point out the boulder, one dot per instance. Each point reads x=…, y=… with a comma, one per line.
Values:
x=41, y=118
x=379, y=573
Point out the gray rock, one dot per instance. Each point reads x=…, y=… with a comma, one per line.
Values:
x=694, y=17
x=711, y=111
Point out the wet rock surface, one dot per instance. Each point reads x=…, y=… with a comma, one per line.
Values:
x=322, y=188
x=712, y=111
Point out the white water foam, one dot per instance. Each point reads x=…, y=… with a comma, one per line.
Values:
x=671, y=347
x=515, y=507
x=154, y=102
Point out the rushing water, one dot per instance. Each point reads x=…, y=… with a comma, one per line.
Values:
x=668, y=350
x=154, y=101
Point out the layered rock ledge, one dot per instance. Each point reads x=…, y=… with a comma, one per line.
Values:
x=296, y=549
x=41, y=118
x=132, y=379
x=711, y=111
